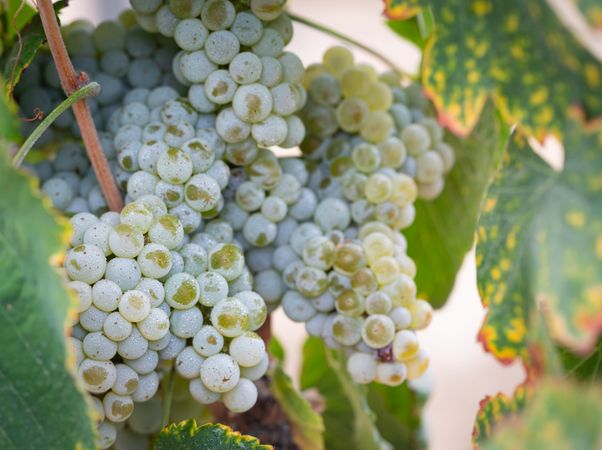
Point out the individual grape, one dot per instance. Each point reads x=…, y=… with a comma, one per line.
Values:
x=145, y=6
x=85, y=263
x=247, y=349
x=134, y=305
x=155, y=325
x=416, y=139
x=127, y=380
x=252, y=102
x=346, y=330
x=337, y=60
x=255, y=306
x=116, y=327
x=97, y=376
x=245, y=68
x=80, y=224
x=166, y=230
x=446, y=152
x=220, y=373
x=218, y=14
x=272, y=72
x=242, y=397
x=227, y=260
x=125, y=241
x=196, y=66
x=268, y=284
x=107, y=434
x=174, y=166
x=230, y=127
x=182, y=291
x=220, y=87
x=186, y=323
x=92, y=319
x=270, y=132
x=295, y=132
x=83, y=293
x=417, y=366
x=332, y=213
x=230, y=317
x=166, y=21
x=391, y=373
x=254, y=373
x=377, y=126
x=59, y=192
x=362, y=368
x=274, y=209
x=147, y=387
x=429, y=167
x=186, y=8
x=292, y=67
x=296, y=307
x=270, y=44
x=221, y=47
x=188, y=363
x=145, y=364
x=201, y=394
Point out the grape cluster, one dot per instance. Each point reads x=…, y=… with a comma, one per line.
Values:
x=150, y=300
x=235, y=65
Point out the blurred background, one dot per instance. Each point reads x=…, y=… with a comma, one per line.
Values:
x=461, y=373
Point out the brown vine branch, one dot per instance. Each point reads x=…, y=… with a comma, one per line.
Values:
x=70, y=83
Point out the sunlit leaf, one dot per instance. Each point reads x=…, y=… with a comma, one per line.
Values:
x=561, y=416
x=188, y=436
x=516, y=51
x=540, y=247
x=42, y=408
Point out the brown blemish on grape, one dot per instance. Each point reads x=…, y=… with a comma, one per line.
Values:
x=170, y=223
x=195, y=193
x=186, y=293
x=212, y=340
x=131, y=385
x=225, y=257
x=172, y=195
x=122, y=409
x=253, y=103
x=73, y=263
x=95, y=375
x=160, y=258
x=220, y=89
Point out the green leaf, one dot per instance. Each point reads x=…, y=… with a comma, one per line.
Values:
x=588, y=367
x=561, y=416
x=516, y=51
x=494, y=410
x=307, y=425
x=188, y=436
x=350, y=423
x=409, y=30
x=42, y=408
x=397, y=412
x=9, y=123
x=540, y=247
x=15, y=16
x=451, y=219
x=275, y=349
x=22, y=52
x=592, y=11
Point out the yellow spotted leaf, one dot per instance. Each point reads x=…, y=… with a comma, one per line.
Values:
x=518, y=52
x=493, y=410
x=540, y=247
x=188, y=436
x=559, y=416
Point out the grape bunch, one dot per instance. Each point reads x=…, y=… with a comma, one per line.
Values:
x=235, y=66
x=148, y=301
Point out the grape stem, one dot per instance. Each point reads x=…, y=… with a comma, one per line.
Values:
x=71, y=82
x=327, y=30
x=168, y=387
x=91, y=88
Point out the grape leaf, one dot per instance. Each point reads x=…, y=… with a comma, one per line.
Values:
x=349, y=421
x=592, y=11
x=14, y=14
x=409, y=30
x=307, y=425
x=516, y=51
x=494, y=410
x=540, y=246
x=42, y=408
x=9, y=125
x=446, y=226
x=188, y=436
x=23, y=52
x=561, y=416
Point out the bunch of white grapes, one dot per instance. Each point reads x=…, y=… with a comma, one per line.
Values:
x=150, y=300
x=171, y=152
x=235, y=65
x=370, y=137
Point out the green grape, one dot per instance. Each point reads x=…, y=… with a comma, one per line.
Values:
x=392, y=152
x=311, y=282
x=355, y=82
x=379, y=98
x=325, y=90
x=386, y=269
x=319, y=252
x=378, y=188
x=416, y=139
x=377, y=127
x=347, y=330
x=337, y=60
x=429, y=167
x=362, y=368
x=349, y=258
x=364, y=281
x=417, y=365
x=379, y=303
x=351, y=114
x=350, y=303
x=378, y=330
x=377, y=245
x=230, y=317
x=218, y=14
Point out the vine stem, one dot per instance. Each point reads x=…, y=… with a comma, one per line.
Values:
x=71, y=82
x=327, y=30
x=91, y=88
